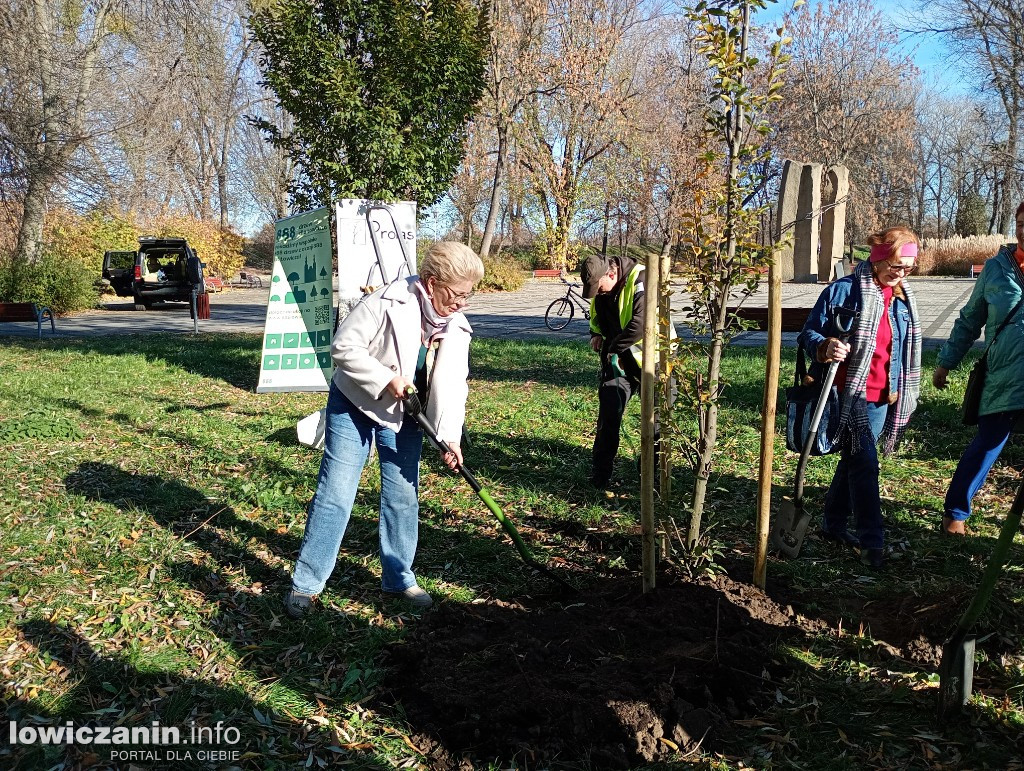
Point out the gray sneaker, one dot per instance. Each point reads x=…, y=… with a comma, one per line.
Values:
x=414, y=596
x=297, y=604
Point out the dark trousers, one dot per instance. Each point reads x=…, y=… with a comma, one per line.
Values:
x=612, y=395
x=854, y=489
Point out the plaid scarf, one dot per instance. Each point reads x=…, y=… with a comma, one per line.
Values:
x=853, y=419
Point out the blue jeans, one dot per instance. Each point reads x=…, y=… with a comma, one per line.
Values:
x=346, y=447
x=854, y=488
x=977, y=461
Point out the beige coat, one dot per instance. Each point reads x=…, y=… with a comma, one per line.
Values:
x=380, y=339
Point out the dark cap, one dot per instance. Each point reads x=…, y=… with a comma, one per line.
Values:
x=593, y=270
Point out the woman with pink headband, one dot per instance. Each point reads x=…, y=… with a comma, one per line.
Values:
x=879, y=380
x=996, y=299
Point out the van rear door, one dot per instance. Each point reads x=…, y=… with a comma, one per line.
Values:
x=119, y=270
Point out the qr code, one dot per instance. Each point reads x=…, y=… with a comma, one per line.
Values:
x=322, y=314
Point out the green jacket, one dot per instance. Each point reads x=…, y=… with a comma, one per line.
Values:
x=996, y=291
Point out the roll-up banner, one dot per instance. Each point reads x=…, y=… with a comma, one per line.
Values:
x=300, y=319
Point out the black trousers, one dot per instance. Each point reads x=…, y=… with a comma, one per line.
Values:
x=613, y=395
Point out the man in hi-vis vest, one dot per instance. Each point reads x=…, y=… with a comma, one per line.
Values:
x=615, y=288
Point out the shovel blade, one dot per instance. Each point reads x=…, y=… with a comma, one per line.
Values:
x=788, y=529
x=956, y=676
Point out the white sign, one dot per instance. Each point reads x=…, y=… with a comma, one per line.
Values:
x=376, y=245
x=300, y=321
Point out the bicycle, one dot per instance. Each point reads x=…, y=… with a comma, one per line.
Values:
x=560, y=312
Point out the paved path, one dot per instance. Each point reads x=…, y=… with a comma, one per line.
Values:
x=520, y=315
x=513, y=315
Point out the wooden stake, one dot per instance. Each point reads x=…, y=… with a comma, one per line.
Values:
x=648, y=389
x=773, y=356
x=667, y=395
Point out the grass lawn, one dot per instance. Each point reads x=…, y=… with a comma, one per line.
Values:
x=152, y=506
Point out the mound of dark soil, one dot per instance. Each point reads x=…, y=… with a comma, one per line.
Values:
x=611, y=679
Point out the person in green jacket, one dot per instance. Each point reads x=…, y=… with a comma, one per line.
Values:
x=615, y=288
x=997, y=295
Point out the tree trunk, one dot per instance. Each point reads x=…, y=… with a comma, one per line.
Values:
x=648, y=392
x=604, y=235
x=495, y=205
x=1010, y=172
x=30, y=234
x=708, y=426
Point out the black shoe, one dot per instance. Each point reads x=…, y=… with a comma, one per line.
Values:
x=873, y=558
x=842, y=536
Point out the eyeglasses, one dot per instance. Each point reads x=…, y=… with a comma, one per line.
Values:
x=458, y=299
x=903, y=270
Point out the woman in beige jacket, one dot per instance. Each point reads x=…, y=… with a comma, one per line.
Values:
x=409, y=333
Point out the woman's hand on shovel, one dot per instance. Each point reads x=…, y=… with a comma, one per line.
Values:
x=452, y=458
x=833, y=349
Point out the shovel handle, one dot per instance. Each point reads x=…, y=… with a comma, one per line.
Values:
x=842, y=321
x=994, y=567
x=415, y=408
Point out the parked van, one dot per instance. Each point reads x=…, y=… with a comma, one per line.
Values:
x=162, y=269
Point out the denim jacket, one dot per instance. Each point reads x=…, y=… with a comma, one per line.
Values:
x=845, y=292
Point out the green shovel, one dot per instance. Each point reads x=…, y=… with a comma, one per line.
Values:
x=414, y=407
x=956, y=669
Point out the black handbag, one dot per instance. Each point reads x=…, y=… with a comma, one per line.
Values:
x=800, y=403
x=976, y=380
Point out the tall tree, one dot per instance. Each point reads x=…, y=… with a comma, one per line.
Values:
x=379, y=92
x=215, y=54
x=51, y=65
x=985, y=36
x=850, y=100
x=592, y=55
x=513, y=75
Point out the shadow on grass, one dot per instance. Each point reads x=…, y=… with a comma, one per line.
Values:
x=189, y=514
x=232, y=358
x=135, y=690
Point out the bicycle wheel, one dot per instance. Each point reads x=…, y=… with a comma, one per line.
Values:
x=559, y=314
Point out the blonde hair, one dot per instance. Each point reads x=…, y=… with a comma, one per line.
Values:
x=450, y=262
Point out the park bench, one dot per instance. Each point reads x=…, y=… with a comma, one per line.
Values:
x=27, y=312
x=792, y=318
x=547, y=273
x=214, y=284
x=976, y=269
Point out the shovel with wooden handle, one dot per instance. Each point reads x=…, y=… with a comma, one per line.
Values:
x=414, y=407
x=956, y=669
x=790, y=525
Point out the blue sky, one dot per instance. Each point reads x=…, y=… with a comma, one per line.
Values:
x=928, y=51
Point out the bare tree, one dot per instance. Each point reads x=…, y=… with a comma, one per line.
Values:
x=468, y=191
x=985, y=36
x=513, y=75
x=850, y=100
x=266, y=171
x=48, y=74
x=591, y=55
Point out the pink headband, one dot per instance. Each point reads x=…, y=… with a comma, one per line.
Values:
x=880, y=252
